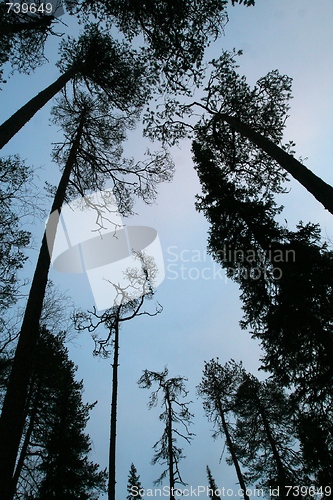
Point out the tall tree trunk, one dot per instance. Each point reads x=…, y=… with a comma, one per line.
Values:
x=322, y=191
x=271, y=440
x=113, y=420
x=11, y=126
x=13, y=411
x=231, y=448
x=171, y=471
x=43, y=22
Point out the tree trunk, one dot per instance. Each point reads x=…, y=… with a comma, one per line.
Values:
x=231, y=448
x=271, y=440
x=113, y=420
x=13, y=411
x=13, y=28
x=171, y=471
x=27, y=436
x=11, y=126
x=322, y=191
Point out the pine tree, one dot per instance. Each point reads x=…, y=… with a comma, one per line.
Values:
x=97, y=61
x=14, y=175
x=134, y=485
x=265, y=435
x=54, y=433
x=243, y=129
x=212, y=485
x=174, y=412
x=129, y=305
x=218, y=389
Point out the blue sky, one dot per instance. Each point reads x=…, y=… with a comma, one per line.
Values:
x=200, y=316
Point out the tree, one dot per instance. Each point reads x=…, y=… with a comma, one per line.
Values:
x=243, y=128
x=218, y=388
x=128, y=304
x=23, y=34
x=78, y=137
x=284, y=277
x=14, y=204
x=134, y=485
x=166, y=451
x=265, y=435
x=102, y=64
x=53, y=459
x=249, y=123
x=67, y=471
x=175, y=33
x=212, y=485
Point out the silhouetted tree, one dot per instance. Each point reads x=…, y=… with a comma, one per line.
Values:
x=23, y=33
x=246, y=127
x=53, y=459
x=98, y=61
x=128, y=305
x=285, y=280
x=174, y=412
x=212, y=485
x=88, y=117
x=243, y=129
x=175, y=34
x=264, y=435
x=134, y=485
x=218, y=389
x=67, y=471
x=14, y=175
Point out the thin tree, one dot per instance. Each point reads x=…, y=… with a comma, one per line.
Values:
x=128, y=305
x=213, y=489
x=134, y=485
x=174, y=412
x=218, y=388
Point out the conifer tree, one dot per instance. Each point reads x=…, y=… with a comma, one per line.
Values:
x=218, y=388
x=212, y=485
x=174, y=412
x=128, y=305
x=134, y=485
x=53, y=460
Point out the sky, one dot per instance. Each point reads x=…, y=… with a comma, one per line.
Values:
x=201, y=308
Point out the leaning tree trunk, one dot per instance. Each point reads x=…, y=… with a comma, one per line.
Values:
x=113, y=420
x=13, y=411
x=279, y=465
x=231, y=449
x=11, y=126
x=322, y=191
